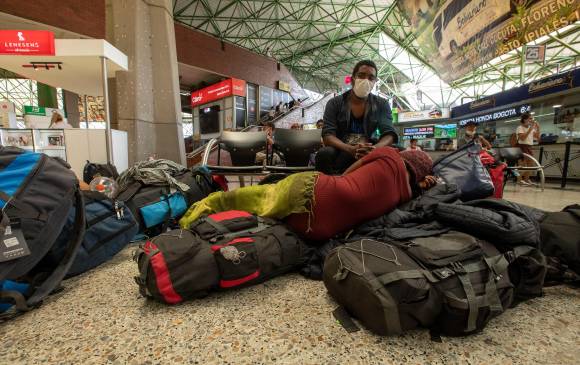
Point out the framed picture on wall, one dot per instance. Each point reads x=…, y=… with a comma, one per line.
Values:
x=55, y=140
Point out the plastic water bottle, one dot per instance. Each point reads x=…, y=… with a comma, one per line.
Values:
x=105, y=185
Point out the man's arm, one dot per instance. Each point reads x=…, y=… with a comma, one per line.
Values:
x=388, y=134
x=329, y=128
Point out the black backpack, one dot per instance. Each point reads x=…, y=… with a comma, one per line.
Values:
x=93, y=170
x=156, y=207
x=110, y=226
x=36, y=195
x=222, y=251
x=560, y=236
x=452, y=283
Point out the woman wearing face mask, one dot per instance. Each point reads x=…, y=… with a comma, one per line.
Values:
x=471, y=135
x=350, y=121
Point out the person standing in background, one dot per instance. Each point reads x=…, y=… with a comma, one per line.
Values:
x=526, y=132
x=472, y=135
x=57, y=122
x=413, y=146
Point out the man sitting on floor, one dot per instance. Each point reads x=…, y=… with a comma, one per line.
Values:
x=351, y=119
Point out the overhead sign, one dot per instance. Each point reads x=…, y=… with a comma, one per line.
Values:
x=27, y=42
x=284, y=86
x=515, y=111
x=423, y=115
x=457, y=36
x=536, y=54
x=35, y=110
x=548, y=85
x=218, y=91
x=419, y=132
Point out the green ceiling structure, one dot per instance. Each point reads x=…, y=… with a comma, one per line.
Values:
x=321, y=40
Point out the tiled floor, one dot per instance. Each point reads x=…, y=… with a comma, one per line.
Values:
x=100, y=318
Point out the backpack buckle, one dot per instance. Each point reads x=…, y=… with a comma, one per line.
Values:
x=443, y=273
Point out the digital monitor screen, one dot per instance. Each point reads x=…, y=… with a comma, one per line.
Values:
x=446, y=131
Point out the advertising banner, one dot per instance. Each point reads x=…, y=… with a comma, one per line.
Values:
x=457, y=36
x=218, y=91
x=27, y=42
x=423, y=115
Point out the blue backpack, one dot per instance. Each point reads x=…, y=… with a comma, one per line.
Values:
x=109, y=227
x=36, y=195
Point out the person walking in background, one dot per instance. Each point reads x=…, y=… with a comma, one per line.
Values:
x=413, y=145
x=319, y=124
x=472, y=135
x=526, y=132
x=279, y=108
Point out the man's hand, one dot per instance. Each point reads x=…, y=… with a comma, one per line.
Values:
x=428, y=182
x=363, y=149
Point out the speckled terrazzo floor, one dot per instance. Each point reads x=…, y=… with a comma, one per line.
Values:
x=100, y=318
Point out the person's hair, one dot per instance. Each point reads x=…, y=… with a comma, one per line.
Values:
x=412, y=140
x=56, y=117
x=269, y=125
x=320, y=121
x=525, y=116
x=364, y=63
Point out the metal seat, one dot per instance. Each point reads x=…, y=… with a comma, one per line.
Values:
x=512, y=155
x=295, y=147
x=242, y=147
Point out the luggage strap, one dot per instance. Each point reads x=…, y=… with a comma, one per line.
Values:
x=129, y=192
x=75, y=242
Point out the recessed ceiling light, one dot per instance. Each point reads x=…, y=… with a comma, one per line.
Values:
x=557, y=106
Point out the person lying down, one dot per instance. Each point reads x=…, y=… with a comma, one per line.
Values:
x=319, y=206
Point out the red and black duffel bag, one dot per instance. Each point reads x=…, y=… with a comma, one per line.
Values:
x=221, y=251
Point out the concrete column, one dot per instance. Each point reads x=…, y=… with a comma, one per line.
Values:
x=147, y=103
x=46, y=95
x=71, y=108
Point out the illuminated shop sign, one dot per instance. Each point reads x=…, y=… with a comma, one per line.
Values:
x=218, y=91
x=418, y=132
x=27, y=42
x=516, y=111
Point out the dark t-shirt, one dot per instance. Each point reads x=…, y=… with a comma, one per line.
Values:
x=356, y=131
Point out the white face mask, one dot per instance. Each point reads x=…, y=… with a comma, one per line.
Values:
x=362, y=87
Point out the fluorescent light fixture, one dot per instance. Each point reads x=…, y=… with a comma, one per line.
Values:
x=557, y=106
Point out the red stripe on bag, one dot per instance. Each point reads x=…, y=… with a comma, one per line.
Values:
x=214, y=248
x=230, y=214
x=240, y=281
x=163, y=280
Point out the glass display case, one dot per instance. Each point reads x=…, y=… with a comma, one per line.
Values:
x=48, y=141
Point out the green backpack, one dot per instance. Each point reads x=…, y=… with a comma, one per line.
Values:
x=452, y=283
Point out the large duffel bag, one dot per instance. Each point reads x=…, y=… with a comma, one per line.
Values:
x=464, y=168
x=221, y=251
x=560, y=236
x=452, y=283
x=157, y=207
x=36, y=195
x=110, y=226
